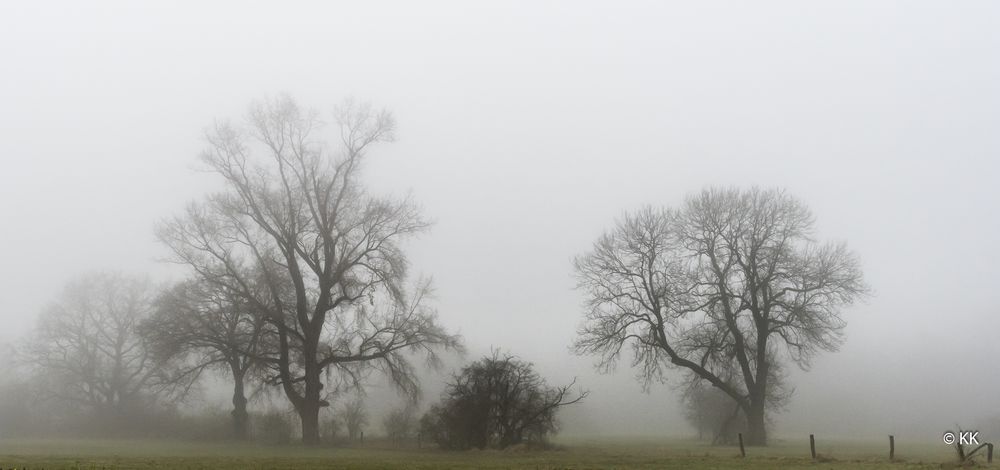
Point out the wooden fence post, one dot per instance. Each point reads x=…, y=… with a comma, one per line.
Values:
x=892, y=447
x=989, y=453
x=812, y=446
x=743, y=452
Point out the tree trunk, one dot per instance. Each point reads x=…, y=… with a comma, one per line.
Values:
x=309, y=415
x=756, y=431
x=241, y=419
x=311, y=403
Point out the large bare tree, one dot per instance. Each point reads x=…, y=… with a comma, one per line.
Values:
x=204, y=326
x=333, y=274
x=88, y=351
x=724, y=287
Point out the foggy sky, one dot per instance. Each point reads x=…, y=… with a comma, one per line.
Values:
x=525, y=128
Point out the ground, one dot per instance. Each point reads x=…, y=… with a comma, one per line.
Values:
x=575, y=453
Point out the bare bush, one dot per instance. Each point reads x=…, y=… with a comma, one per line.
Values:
x=498, y=401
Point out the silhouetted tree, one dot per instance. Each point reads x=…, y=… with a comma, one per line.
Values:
x=719, y=288
x=496, y=401
x=333, y=279
x=203, y=325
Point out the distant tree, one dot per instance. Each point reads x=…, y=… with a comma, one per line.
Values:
x=333, y=277
x=400, y=424
x=274, y=427
x=711, y=412
x=18, y=413
x=720, y=288
x=88, y=351
x=497, y=401
x=332, y=428
x=202, y=325
x=355, y=418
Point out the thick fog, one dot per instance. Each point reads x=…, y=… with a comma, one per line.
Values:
x=524, y=130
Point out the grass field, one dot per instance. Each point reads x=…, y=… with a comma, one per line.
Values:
x=642, y=453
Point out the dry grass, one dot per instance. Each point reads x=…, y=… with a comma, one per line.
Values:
x=641, y=453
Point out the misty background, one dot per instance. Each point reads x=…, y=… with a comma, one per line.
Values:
x=525, y=129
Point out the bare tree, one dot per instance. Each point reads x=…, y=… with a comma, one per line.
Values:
x=88, y=350
x=334, y=276
x=355, y=418
x=202, y=326
x=400, y=424
x=722, y=288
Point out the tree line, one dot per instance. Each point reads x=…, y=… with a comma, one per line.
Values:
x=297, y=280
